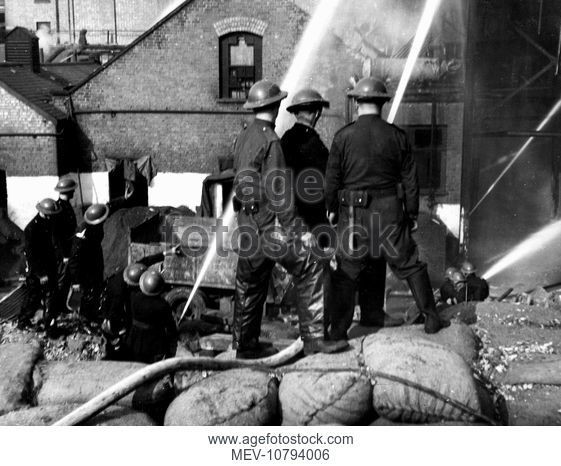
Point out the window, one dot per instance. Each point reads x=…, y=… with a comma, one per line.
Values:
x=43, y=25
x=240, y=64
x=428, y=145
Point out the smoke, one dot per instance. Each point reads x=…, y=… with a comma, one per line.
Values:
x=47, y=41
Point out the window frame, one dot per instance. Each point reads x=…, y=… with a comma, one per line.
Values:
x=225, y=42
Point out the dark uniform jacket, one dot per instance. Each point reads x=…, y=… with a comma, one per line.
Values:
x=447, y=291
x=303, y=149
x=477, y=288
x=153, y=334
x=371, y=154
x=86, y=261
x=65, y=227
x=39, y=247
x=257, y=154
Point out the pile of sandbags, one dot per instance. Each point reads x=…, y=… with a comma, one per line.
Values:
x=401, y=374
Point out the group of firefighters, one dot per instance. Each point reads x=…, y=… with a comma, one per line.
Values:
x=364, y=217
x=463, y=284
x=64, y=260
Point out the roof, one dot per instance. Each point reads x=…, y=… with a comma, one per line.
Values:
x=35, y=90
x=69, y=74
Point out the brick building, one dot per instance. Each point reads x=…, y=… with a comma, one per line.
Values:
x=35, y=134
x=107, y=21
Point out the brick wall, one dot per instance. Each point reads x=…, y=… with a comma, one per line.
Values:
x=25, y=155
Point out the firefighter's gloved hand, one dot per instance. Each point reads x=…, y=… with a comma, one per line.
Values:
x=308, y=240
x=43, y=280
x=65, y=260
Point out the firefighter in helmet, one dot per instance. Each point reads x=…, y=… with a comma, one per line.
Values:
x=370, y=165
x=41, y=268
x=477, y=287
x=115, y=302
x=65, y=229
x=447, y=290
x=153, y=331
x=263, y=195
x=86, y=261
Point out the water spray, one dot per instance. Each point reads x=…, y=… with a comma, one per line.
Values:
x=534, y=243
x=227, y=220
x=422, y=30
x=541, y=126
x=306, y=52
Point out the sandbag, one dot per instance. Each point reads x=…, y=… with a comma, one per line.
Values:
x=458, y=337
x=239, y=397
x=427, y=364
x=316, y=396
x=17, y=361
x=48, y=415
x=78, y=382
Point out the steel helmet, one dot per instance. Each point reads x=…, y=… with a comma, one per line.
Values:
x=369, y=90
x=262, y=94
x=132, y=274
x=449, y=272
x=151, y=283
x=96, y=214
x=65, y=185
x=307, y=98
x=468, y=268
x=48, y=207
x=458, y=277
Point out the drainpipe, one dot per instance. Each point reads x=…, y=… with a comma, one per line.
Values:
x=57, y=22
x=115, y=18
x=69, y=23
x=73, y=23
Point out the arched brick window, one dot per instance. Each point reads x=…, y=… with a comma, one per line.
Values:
x=241, y=63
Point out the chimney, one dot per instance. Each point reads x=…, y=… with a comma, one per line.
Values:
x=22, y=46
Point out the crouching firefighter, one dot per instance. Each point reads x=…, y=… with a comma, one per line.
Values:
x=369, y=158
x=153, y=332
x=261, y=198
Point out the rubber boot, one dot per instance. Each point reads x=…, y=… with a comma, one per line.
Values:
x=421, y=288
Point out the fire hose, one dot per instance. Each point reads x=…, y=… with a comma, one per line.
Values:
x=168, y=366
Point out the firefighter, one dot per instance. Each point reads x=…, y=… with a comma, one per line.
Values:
x=153, y=332
x=41, y=270
x=306, y=155
x=447, y=290
x=460, y=290
x=258, y=155
x=370, y=164
x=115, y=302
x=86, y=262
x=65, y=229
x=477, y=288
